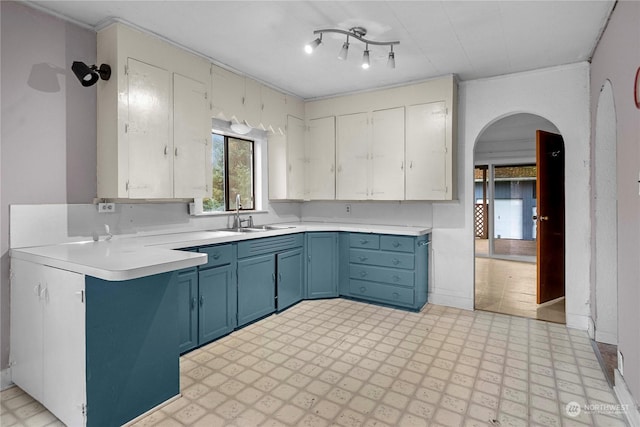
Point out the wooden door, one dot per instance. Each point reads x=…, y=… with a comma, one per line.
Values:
x=550, y=216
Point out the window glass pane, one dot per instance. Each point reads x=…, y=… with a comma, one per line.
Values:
x=240, y=172
x=216, y=202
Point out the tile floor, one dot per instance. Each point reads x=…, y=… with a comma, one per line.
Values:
x=509, y=287
x=344, y=363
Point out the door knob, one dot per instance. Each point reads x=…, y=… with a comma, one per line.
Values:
x=543, y=218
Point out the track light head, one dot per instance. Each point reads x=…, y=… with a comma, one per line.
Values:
x=89, y=75
x=314, y=44
x=391, y=62
x=344, y=51
x=365, y=59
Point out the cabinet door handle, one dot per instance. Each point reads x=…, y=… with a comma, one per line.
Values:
x=37, y=289
x=280, y=277
x=166, y=150
x=273, y=277
x=395, y=244
x=401, y=165
x=395, y=261
x=309, y=258
x=362, y=258
x=201, y=300
x=362, y=289
x=332, y=168
x=363, y=273
x=193, y=303
x=176, y=151
x=411, y=164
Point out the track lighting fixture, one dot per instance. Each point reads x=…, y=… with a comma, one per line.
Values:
x=357, y=33
x=89, y=75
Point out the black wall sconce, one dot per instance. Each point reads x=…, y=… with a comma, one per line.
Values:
x=89, y=75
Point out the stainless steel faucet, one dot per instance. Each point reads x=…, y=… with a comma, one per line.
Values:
x=238, y=223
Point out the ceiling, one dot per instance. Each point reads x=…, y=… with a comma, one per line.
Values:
x=265, y=39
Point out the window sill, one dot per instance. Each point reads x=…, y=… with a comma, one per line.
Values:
x=193, y=212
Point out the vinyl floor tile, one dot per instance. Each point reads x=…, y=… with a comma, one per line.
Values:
x=365, y=365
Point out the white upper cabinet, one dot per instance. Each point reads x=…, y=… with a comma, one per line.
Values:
x=394, y=144
x=428, y=154
x=320, y=159
x=227, y=94
x=241, y=99
x=148, y=131
x=154, y=118
x=370, y=155
x=352, y=156
x=191, y=141
x=286, y=162
x=387, y=155
x=274, y=113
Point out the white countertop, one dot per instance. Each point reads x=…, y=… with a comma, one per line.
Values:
x=131, y=257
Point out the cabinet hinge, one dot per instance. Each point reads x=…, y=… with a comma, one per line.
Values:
x=83, y=407
x=206, y=95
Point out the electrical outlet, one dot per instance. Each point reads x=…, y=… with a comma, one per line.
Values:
x=348, y=209
x=106, y=207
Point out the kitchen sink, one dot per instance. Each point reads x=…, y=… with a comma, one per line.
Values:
x=259, y=228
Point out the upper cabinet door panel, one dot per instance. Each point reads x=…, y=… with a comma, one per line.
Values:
x=150, y=157
x=252, y=102
x=295, y=158
x=227, y=94
x=427, y=152
x=387, y=155
x=191, y=138
x=321, y=154
x=273, y=110
x=352, y=156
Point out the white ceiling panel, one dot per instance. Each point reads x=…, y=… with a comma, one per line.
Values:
x=265, y=39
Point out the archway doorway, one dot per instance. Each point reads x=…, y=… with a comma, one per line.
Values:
x=505, y=213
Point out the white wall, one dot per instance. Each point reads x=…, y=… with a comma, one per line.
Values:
x=48, y=123
x=560, y=95
x=616, y=59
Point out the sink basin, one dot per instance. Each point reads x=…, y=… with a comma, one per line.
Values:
x=258, y=228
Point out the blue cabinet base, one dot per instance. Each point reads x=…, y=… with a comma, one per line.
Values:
x=133, y=363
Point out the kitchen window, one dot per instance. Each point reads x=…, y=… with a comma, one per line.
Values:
x=233, y=173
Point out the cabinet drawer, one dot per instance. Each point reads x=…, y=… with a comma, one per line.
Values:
x=269, y=244
x=382, y=259
x=217, y=255
x=361, y=240
x=392, y=294
x=397, y=243
x=382, y=275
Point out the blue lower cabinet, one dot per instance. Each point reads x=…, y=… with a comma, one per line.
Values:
x=187, y=283
x=322, y=265
x=207, y=298
x=256, y=288
x=290, y=279
x=216, y=303
x=132, y=361
x=385, y=268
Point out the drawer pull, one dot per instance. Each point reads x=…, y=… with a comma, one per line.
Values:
x=395, y=244
x=424, y=243
x=396, y=278
x=395, y=295
x=363, y=241
x=362, y=289
x=363, y=274
x=395, y=261
x=363, y=258
x=216, y=255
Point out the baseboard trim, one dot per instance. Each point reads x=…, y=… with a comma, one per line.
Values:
x=592, y=329
x=155, y=408
x=626, y=400
x=606, y=337
x=5, y=379
x=450, y=301
x=577, y=321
